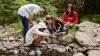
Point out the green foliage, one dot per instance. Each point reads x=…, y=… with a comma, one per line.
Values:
x=16, y=26
x=72, y=30
x=84, y=19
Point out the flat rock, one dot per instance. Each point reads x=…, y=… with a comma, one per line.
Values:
x=97, y=38
x=61, y=49
x=87, y=25
x=79, y=54
x=68, y=38
x=86, y=39
x=93, y=53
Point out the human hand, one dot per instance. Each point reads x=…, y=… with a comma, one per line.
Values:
x=71, y=24
x=29, y=26
x=68, y=23
x=58, y=30
x=32, y=24
x=54, y=36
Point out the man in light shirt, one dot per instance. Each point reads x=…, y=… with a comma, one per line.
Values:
x=26, y=14
x=35, y=35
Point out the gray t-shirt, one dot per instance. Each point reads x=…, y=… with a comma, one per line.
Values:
x=26, y=10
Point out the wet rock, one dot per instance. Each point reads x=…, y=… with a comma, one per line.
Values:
x=4, y=49
x=1, y=47
x=79, y=54
x=93, y=53
x=38, y=53
x=49, y=46
x=86, y=39
x=32, y=53
x=16, y=52
x=75, y=50
x=27, y=49
x=24, y=53
x=11, y=50
x=61, y=49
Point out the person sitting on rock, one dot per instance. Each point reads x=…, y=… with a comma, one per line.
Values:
x=70, y=17
x=35, y=35
x=54, y=24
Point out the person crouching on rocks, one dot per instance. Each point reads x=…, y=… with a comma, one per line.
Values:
x=70, y=17
x=35, y=35
x=54, y=25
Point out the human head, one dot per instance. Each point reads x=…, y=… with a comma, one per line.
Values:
x=41, y=27
x=42, y=8
x=49, y=18
x=69, y=9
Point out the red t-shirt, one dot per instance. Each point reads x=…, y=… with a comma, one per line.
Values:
x=73, y=19
x=54, y=23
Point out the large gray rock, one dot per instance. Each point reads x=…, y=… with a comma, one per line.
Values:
x=86, y=39
x=68, y=38
x=93, y=53
x=79, y=54
x=97, y=38
x=87, y=25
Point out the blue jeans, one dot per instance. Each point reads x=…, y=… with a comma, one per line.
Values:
x=25, y=23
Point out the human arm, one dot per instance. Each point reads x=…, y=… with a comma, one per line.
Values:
x=61, y=24
x=75, y=17
x=35, y=11
x=30, y=20
x=64, y=19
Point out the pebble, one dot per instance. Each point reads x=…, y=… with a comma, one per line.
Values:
x=32, y=53
x=61, y=49
x=38, y=53
x=4, y=49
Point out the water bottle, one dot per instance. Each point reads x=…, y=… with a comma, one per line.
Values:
x=54, y=33
x=38, y=21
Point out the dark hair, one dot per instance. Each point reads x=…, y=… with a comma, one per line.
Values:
x=50, y=17
x=43, y=7
x=69, y=5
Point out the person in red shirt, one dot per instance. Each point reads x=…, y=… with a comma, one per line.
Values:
x=70, y=17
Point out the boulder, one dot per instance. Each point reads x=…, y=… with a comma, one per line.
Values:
x=86, y=39
x=93, y=53
x=79, y=54
x=97, y=38
x=67, y=39
x=87, y=25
